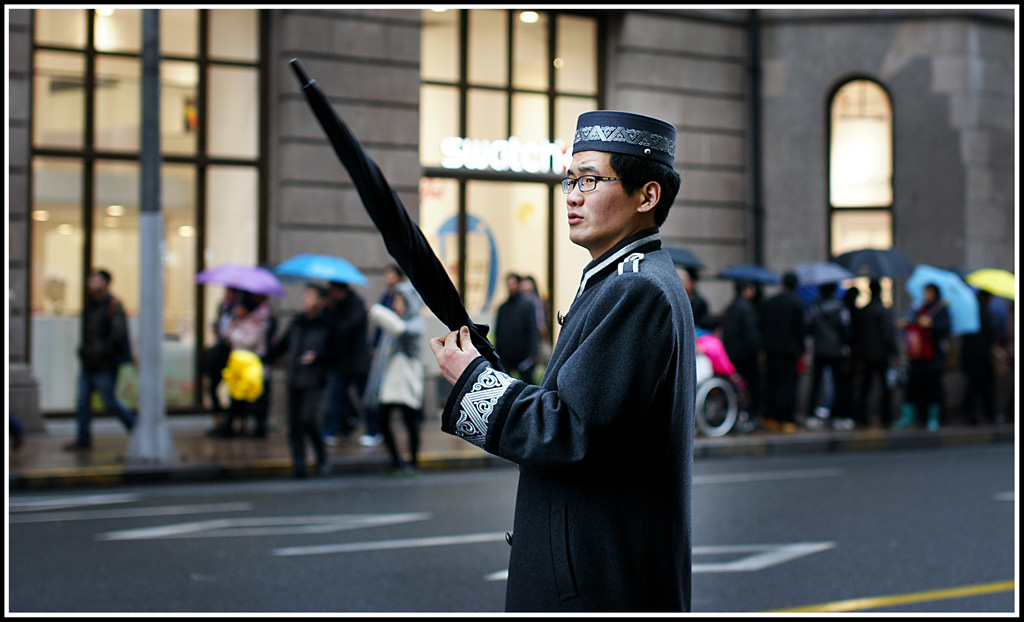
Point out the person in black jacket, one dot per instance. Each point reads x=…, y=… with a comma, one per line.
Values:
x=348, y=310
x=978, y=365
x=832, y=329
x=516, y=332
x=783, y=327
x=926, y=329
x=105, y=347
x=308, y=346
x=742, y=339
x=874, y=332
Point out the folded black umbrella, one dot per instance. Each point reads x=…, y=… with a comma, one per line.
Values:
x=402, y=237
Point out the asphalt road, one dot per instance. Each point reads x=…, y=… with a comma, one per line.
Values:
x=899, y=531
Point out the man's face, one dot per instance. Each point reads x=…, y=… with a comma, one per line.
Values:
x=96, y=285
x=512, y=283
x=604, y=216
x=311, y=301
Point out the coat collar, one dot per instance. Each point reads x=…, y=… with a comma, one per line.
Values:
x=643, y=242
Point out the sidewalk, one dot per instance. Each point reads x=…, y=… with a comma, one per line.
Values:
x=41, y=461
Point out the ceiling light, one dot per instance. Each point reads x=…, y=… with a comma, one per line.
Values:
x=105, y=12
x=529, y=17
x=187, y=231
x=115, y=210
x=40, y=215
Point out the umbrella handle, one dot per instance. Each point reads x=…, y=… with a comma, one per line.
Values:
x=300, y=73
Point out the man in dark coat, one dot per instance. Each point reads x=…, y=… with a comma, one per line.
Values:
x=104, y=348
x=309, y=349
x=875, y=334
x=742, y=340
x=352, y=364
x=783, y=329
x=978, y=365
x=516, y=333
x=605, y=442
x=831, y=327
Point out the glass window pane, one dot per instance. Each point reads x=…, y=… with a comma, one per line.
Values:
x=439, y=45
x=118, y=108
x=530, y=117
x=569, y=259
x=179, y=82
x=177, y=194
x=179, y=32
x=439, y=211
x=115, y=228
x=57, y=286
x=118, y=30
x=531, y=60
x=234, y=34
x=504, y=223
x=232, y=227
x=439, y=106
x=861, y=146
x=576, y=55
x=488, y=47
x=64, y=27
x=487, y=117
x=567, y=111
x=234, y=112
x=58, y=116
x=853, y=229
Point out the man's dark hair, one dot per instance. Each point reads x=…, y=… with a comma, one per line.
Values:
x=103, y=274
x=790, y=281
x=826, y=290
x=636, y=171
x=875, y=287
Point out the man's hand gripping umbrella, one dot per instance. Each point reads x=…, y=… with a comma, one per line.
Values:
x=402, y=237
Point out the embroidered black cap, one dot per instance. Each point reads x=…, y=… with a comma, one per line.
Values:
x=625, y=132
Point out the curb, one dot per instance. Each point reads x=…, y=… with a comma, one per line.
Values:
x=738, y=446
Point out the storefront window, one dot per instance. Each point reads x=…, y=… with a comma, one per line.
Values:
x=500, y=177
x=86, y=188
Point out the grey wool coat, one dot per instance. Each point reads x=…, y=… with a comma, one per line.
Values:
x=604, y=444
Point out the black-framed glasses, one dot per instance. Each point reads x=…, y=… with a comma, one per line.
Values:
x=586, y=182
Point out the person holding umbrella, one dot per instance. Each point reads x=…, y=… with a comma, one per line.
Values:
x=605, y=442
x=925, y=329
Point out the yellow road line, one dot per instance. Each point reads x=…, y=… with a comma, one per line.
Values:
x=857, y=604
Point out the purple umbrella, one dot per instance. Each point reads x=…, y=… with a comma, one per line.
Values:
x=240, y=276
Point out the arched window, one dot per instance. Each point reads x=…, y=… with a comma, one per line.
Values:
x=860, y=167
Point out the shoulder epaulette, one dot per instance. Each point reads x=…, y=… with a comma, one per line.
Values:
x=631, y=263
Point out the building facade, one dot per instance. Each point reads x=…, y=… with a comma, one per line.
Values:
x=801, y=134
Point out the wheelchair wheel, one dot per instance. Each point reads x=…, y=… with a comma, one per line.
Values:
x=717, y=408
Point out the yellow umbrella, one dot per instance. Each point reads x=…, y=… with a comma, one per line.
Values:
x=244, y=375
x=994, y=281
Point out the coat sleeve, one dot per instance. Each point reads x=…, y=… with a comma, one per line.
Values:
x=388, y=320
x=604, y=389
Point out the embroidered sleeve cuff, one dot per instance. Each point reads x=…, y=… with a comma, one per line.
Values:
x=471, y=411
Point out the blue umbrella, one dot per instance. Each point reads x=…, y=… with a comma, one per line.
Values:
x=960, y=298
x=326, y=267
x=821, y=272
x=750, y=272
x=684, y=258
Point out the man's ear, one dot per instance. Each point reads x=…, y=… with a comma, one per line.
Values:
x=650, y=194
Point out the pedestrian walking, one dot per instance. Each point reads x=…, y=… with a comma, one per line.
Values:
x=396, y=377
x=783, y=328
x=372, y=437
x=308, y=348
x=528, y=289
x=251, y=328
x=605, y=442
x=875, y=337
x=978, y=365
x=516, y=333
x=216, y=356
x=105, y=346
x=831, y=328
x=741, y=337
x=347, y=377
x=925, y=328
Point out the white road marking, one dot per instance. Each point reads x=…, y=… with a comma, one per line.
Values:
x=54, y=503
x=269, y=526
x=166, y=510
x=765, y=556
x=732, y=478
x=389, y=544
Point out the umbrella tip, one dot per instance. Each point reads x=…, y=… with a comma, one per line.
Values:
x=300, y=73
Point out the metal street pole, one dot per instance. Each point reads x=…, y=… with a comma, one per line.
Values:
x=151, y=439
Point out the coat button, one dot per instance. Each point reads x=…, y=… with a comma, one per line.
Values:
x=508, y=538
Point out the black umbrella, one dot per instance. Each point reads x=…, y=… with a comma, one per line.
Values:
x=876, y=262
x=749, y=272
x=402, y=237
x=684, y=258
